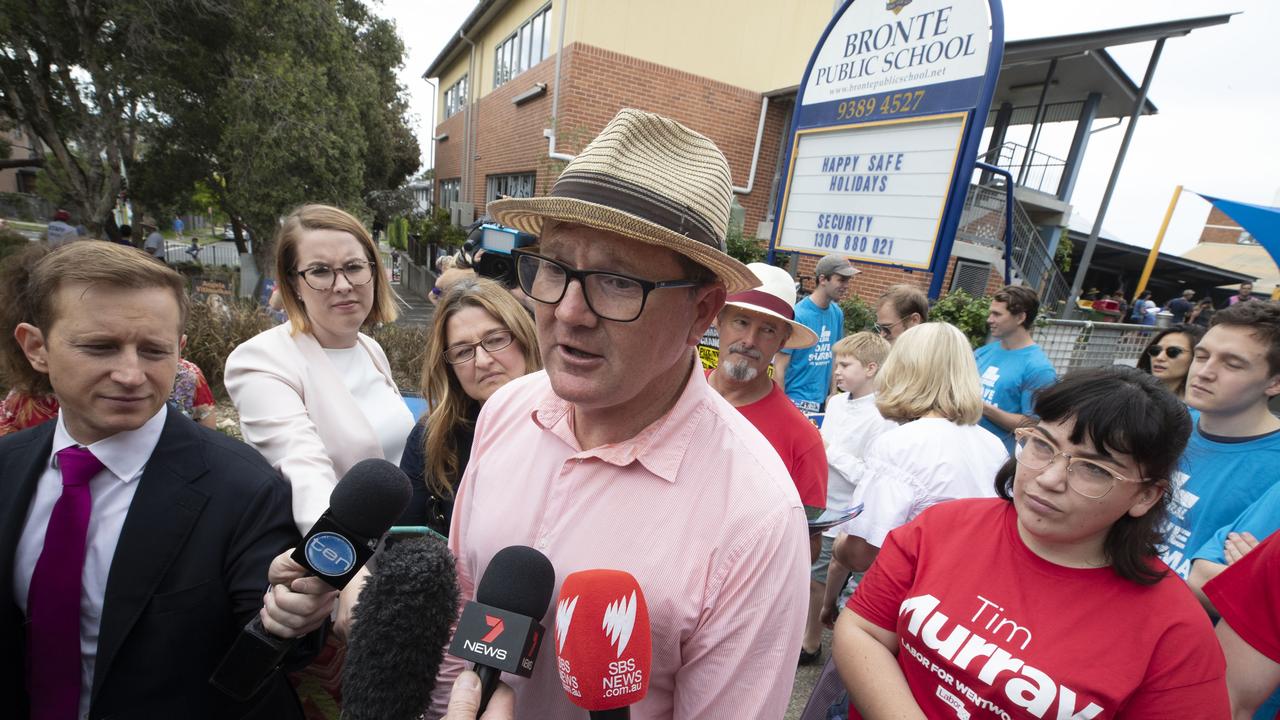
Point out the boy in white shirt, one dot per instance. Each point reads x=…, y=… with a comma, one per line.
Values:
x=852, y=422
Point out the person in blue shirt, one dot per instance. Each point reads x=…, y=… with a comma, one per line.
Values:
x=1011, y=367
x=1232, y=458
x=805, y=374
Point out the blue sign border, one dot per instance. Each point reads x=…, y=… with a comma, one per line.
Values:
x=941, y=98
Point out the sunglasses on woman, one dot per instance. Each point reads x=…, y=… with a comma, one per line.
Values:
x=1173, y=351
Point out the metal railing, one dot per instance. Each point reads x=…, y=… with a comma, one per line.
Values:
x=1075, y=344
x=212, y=254
x=1031, y=168
x=982, y=223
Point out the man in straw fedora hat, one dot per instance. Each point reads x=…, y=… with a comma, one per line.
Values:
x=619, y=454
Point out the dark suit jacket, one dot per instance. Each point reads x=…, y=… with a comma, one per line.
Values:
x=189, y=571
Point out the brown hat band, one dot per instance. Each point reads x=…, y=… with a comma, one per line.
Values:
x=639, y=201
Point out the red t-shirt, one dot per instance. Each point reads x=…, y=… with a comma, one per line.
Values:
x=988, y=629
x=1247, y=595
x=796, y=440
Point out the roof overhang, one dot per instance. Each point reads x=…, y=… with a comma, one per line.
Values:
x=482, y=15
x=1130, y=260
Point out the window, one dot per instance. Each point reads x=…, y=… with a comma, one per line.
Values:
x=527, y=46
x=516, y=186
x=449, y=190
x=455, y=97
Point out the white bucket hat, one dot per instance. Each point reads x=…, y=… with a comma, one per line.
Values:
x=776, y=297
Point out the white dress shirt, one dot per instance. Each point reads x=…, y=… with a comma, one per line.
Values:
x=123, y=455
x=849, y=428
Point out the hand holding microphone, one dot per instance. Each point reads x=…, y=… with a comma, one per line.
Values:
x=362, y=507
x=603, y=643
x=464, y=701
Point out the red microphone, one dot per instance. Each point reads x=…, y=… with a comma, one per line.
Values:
x=603, y=646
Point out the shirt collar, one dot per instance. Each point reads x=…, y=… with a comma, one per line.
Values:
x=125, y=453
x=868, y=399
x=660, y=447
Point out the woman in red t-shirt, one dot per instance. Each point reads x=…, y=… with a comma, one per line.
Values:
x=1049, y=601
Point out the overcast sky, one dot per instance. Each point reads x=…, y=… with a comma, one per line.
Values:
x=1216, y=89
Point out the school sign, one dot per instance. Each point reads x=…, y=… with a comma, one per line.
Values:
x=886, y=128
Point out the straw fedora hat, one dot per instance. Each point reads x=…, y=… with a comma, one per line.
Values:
x=776, y=297
x=649, y=179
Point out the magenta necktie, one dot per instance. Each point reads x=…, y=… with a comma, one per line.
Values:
x=53, y=602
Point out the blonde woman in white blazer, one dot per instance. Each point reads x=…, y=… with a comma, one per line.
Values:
x=315, y=395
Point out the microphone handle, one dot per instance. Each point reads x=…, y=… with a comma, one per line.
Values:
x=622, y=713
x=489, y=678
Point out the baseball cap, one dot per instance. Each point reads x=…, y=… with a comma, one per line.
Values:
x=835, y=265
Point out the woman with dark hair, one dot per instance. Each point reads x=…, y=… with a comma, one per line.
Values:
x=1168, y=356
x=1049, y=601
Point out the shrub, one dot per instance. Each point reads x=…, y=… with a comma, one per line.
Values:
x=11, y=241
x=744, y=250
x=858, y=315
x=965, y=312
x=212, y=335
x=404, y=345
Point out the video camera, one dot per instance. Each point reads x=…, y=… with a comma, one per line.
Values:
x=488, y=250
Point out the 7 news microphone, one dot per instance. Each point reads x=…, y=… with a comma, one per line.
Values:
x=603, y=644
x=499, y=631
x=362, y=507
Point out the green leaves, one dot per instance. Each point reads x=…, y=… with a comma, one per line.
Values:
x=965, y=312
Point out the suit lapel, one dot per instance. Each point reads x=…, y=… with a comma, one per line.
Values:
x=19, y=474
x=164, y=509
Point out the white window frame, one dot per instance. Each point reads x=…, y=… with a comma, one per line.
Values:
x=518, y=185
x=520, y=50
x=455, y=97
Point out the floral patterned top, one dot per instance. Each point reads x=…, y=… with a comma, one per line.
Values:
x=20, y=411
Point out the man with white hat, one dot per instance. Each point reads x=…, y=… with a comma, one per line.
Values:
x=753, y=326
x=805, y=374
x=619, y=454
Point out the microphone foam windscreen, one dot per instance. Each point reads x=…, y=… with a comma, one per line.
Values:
x=519, y=579
x=370, y=497
x=603, y=645
x=398, y=632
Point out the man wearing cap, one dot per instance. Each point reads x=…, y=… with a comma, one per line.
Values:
x=60, y=232
x=753, y=326
x=619, y=454
x=805, y=374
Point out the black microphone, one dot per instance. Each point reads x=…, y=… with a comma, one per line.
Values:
x=398, y=632
x=362, y=507
x=499, y=631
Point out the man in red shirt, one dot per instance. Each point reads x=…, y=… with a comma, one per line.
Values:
x=754, y=325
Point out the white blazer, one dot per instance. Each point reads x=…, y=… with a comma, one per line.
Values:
x=295, y=410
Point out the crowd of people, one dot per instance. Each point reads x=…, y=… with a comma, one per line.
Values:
x=1014, y=543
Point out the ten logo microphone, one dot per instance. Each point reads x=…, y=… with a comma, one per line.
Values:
x=603, y=645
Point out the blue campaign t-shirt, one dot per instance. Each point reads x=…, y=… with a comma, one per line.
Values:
x=808, y=378
x=1217, y=481
x=1010, y=379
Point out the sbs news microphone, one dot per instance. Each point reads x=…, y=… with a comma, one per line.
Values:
x=603, y=645
x=499, y=631
x=398, y=632
x=362, y=507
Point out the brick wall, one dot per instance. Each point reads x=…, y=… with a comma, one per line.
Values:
x=872, y=280
x=1229, y=235
x=596, y=84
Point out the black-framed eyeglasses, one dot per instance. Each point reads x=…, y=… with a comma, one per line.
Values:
x=1173, y=351
x=885, y=328
x=322, y=278
x=611, y=296
x=1086, y=477
x=465, y=352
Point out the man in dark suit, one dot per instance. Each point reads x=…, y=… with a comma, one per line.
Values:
x=134, y=544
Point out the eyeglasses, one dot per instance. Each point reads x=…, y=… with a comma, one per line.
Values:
x=1088, y=478
x=465, y=352
x=611, y=296
x=1173, y=351
x=884, y=329
x=322, y=277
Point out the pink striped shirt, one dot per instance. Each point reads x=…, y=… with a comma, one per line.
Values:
x=697, y=506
